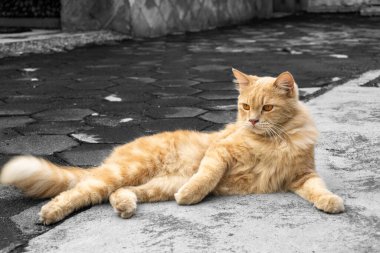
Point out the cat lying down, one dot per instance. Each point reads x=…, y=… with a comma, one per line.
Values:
x=269, y=148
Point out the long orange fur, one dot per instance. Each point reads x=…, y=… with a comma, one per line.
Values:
x=263, y=151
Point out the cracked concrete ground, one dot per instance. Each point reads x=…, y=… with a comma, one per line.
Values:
x=73, y=108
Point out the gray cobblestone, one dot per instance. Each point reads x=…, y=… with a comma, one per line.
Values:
x=220, y=117
x=37, y=144
x=16, y=121
x=215, y=95
x=174, y=112
x=70, y=114
x=87, y=154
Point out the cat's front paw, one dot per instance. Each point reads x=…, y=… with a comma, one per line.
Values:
x=124, y=202
x=51, y=213
x=330, y=203
x=184, y=197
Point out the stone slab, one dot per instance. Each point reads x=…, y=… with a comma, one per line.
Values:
x=70, y=114
x=216, y=95
x=220, y=117
x=52, y=127
x=171, y=91
x=86, y=154
x=37, y=145
x=111, y=135
x=174, y=112
x=7, y=122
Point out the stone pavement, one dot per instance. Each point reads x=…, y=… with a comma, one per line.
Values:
x=73, y=108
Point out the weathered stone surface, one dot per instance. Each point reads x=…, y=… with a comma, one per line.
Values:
x=133, y=97
x=170, y=92
x=94, y=85
x=220, y=117
x=119, y=109
x=19, y=109
x=216, y=86
x=160, y=125
x=6, y=122
x=37, y=145
x=175, y=83
x=213, y=67
x=88, y=15
x=7, y=133
x=87, y=154
x=175, y=101
x=70, y=114
x=133, y=88
x=174, y=112
x=216, y=95
x=52, y=127
x=115, y=121
x=219, y=105
x=155, y=18
x=119, y=135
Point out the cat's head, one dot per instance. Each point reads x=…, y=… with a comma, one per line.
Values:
x=266, y=104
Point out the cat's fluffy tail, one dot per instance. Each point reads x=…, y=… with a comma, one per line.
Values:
x=39, y=178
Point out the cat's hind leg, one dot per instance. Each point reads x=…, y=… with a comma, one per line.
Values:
x=88, y=192
x=124, y=200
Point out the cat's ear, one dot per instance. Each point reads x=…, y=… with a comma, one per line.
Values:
x=285, y=83
x=242, y=80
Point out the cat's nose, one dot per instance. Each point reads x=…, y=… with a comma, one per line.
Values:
x=253, y=121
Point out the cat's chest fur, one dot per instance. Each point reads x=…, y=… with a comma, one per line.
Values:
x=262, y=166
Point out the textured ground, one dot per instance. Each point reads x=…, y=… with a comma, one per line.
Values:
x=74, y=107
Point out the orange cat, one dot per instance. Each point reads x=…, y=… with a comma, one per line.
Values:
x=269, y=148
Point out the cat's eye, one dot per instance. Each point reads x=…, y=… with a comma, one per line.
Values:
x=267, y=108
x=246, y=107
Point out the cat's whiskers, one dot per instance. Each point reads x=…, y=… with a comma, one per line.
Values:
x=277, y=130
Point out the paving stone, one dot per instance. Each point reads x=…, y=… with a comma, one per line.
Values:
x=7, y=122
x=20, y=109
x=8, y=133
x=37, y=144
x=139, y=79
x=69, y=114
x=114, y=121
x=52, y=127
x=155, y=126
x=96, y=78
x=119, y=109
x=108, y=134
x=174, y=112
x=211, y=67
x=175, y=91
x=138, y=88
x=29, y=99
x=133, y=97
x=216, y=86
x=87, y=154
x=213, y=79
x=169, y=74
x=220, y=117
x=215, y=95
x=219, y=105
x=175, y=101
x=175, y=83
x=94, y=85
